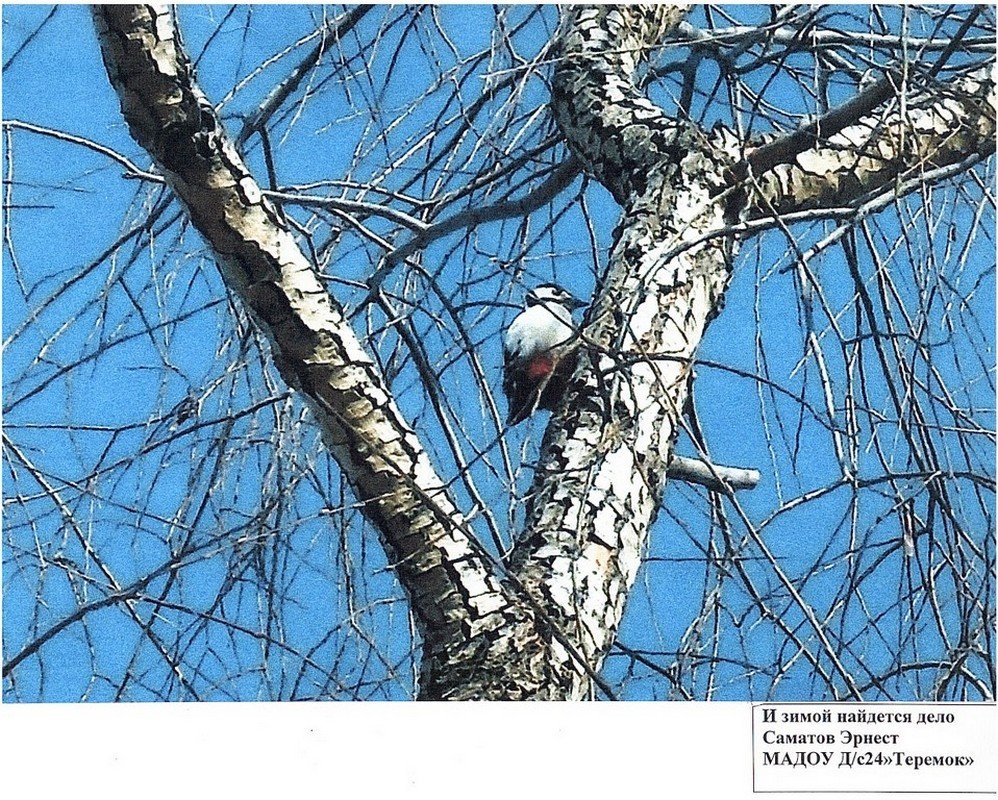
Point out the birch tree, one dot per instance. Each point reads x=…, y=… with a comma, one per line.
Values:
x=338, y=409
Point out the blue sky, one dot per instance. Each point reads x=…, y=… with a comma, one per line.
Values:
x=280, y=589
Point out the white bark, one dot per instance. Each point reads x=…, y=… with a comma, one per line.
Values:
x=452, y=588
x=892, y=143
x=542, y=632
x=715, y=477
x=607, y=450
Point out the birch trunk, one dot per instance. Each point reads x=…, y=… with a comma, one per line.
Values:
x=450, y=584
x=539, y=626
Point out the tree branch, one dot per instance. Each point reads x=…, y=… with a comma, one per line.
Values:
x=618, y=133
x=715, y=477
x=449, y=583
x=924, y=133
x=330, y=32
x=606, y=452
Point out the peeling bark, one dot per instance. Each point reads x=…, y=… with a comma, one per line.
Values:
x=925, y=133
x=543, y=630
x=607, y=449
x=452, y=588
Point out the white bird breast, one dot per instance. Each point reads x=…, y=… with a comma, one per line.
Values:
x=539, y=329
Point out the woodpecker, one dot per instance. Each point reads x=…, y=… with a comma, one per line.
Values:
x=539, y=350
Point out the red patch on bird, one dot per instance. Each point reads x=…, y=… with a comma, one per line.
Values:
x=540, y=367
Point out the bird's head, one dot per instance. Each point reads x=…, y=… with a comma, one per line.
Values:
x=552, y=293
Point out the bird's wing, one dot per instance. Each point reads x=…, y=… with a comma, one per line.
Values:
x=512, y=373
x=533, y=332
x=507, y=374
x=515, y=385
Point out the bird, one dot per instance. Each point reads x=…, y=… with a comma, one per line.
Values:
x=539, y=351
